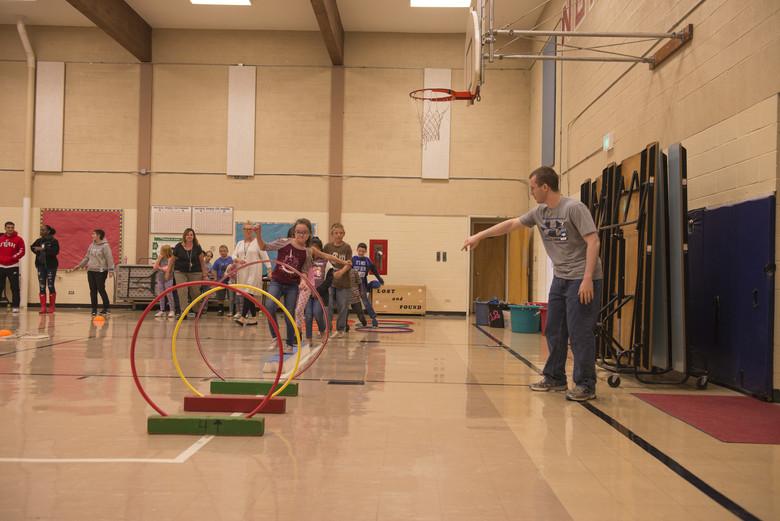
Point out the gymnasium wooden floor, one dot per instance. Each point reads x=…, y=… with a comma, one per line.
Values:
x=445, y=428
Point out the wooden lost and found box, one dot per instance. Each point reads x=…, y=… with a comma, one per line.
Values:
x=399, y=300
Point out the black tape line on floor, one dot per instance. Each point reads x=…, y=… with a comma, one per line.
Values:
x=511, y=351
x=672, y=464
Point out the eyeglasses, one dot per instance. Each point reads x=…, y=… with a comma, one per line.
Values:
x=299, y=232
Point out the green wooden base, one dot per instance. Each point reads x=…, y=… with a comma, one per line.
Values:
x=250, y=387
x=200, y=425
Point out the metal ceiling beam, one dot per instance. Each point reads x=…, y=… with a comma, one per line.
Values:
x=329, y=20
x=120, y=22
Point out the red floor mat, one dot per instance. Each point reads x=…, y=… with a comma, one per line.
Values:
x=733, y=419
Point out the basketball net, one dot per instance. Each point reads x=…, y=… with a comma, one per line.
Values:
x=430, y=114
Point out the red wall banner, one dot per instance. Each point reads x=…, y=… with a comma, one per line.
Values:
x=74, y=229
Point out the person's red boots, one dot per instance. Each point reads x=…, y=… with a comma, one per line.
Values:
x=52, y=300
x=43, y=305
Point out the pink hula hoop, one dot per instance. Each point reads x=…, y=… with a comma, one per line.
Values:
x=162, y=295
x=314, y=292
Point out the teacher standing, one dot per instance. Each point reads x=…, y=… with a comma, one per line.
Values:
x=189, y=266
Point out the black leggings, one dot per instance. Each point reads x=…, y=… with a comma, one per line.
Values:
x=97, y=284
x=46, y=278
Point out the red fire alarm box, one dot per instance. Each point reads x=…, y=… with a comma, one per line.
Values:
x=377, y=252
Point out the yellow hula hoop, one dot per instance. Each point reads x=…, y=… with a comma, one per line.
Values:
x=214, y=290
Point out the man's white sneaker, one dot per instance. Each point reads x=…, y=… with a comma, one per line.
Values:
x=159, y=314
x=15, y=310
x=250, y=321
x=274, y=345
x=171, y=314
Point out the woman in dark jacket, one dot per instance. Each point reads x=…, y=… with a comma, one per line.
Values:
x=46, y=248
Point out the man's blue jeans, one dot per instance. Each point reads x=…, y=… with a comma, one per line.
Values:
x=568, y=319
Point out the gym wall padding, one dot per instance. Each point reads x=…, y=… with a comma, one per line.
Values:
x=731, y=270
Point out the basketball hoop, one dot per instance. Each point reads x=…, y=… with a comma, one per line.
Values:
x=432, y=105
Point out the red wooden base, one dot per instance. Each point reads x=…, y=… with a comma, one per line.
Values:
x=233, y=403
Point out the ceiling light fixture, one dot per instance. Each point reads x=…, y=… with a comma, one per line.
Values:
x=221, y=2
x=440, y=3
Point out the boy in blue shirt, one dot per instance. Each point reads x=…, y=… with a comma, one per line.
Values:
x=219, y=268
x=363, y=266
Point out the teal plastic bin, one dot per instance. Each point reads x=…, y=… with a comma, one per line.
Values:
x=525, y=319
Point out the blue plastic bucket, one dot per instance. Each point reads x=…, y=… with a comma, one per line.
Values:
x=482, y=311
x=525, y=319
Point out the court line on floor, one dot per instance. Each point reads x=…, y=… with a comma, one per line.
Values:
x=183, y=456
x=673, y=465
x=47, y=345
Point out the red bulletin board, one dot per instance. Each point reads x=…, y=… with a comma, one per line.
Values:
x=377, y=252
x=74, y=232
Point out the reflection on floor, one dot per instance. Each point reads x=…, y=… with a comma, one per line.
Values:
x=445, y=428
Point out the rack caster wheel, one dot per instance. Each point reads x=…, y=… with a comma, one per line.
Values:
x=701, y=382
x=613, y=380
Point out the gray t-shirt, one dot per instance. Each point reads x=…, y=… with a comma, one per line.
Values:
x=562, y=229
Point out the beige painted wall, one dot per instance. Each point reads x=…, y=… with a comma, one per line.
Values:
x=382, y=186
x=68, y=44
x=718, y=96
x=13, y=96
x=413, y=241
x=101, y=117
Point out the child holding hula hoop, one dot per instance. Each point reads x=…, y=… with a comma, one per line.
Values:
x=297, y=253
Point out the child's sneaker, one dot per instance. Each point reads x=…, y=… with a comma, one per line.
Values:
x=374, y=322
x=273, y=346
x=288, y=349
x=171, y=314
x=159, y=314
x=250, y=321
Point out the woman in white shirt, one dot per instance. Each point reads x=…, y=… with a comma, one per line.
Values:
x=247, y=251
